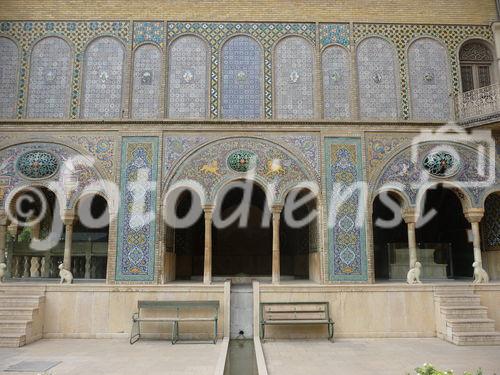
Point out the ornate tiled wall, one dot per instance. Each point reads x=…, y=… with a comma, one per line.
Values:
x=50, y=79
x=205, y=90
x=9, y=59
x=135, y=257
x=347, y=259
x=294, y=82
x=147, y=82
x=377, y=78
x=336, y=69
x=188, y=78
x=492, y=222
x=430, y=78
x=103, y=79
x=242, y=79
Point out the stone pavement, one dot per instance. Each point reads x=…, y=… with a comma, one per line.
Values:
x=376, y=356
x=116, y=357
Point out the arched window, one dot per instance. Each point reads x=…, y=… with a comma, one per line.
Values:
x=147, y=80
x=9, y=63
x=475, y=65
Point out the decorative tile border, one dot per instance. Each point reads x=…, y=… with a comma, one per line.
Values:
x=266, y=33
x=136, y=245
x=347, y=258
x=402, y=35
x=334, y=33
x=151, y=32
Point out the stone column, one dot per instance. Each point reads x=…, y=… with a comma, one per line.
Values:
x=207, y=269
x=474, y=216
x=410, y=218
x=276, y=243
x=3, y=238
x=68, y=220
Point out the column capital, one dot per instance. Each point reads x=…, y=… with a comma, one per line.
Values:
x=409, y=215
x=208, y=208
x=474, y=215
x=68, y=217
x=276, y=209
x=3, y=218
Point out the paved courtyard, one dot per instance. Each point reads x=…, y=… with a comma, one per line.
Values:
x=116, y=357
x=376, y=356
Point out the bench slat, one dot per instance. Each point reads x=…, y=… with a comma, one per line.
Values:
x=297, y=321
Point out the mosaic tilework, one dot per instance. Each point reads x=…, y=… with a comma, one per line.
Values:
x=405, y=175
x=103, y=79
x=492, y=222
x=401, y=35
x=188, y=78
x=429, y=80
x=136, y=230
x=147, y=82
x=380, y=146
x=294, y=83
x=50, y=79
x=347, y=259
x=336, y=68
x=9, y=62
x=78, y=33
x=334, y=34
x=266, y=33
x=10, y=179
x=377, y=77
x=241, y=79
x=152, y=32
x=208, y=166
x=101, y=147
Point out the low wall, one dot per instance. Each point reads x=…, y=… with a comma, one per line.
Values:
x=105, y=311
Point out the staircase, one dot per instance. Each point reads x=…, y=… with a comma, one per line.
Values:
x=21, y=314
x=461, y=319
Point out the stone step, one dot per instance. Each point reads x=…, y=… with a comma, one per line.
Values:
x=448, y=290
x=15, y=326
x=471, y=325
x=21, y=300
x=14, y=313
x=464, y=312
x=12, y=340
x=476, y=338
x=458, y=300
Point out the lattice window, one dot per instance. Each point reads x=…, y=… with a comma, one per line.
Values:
x=103, y=79
x=9, y=63
x=476, y=59
x=188, y=78
x=147, y=80
x=50, y=79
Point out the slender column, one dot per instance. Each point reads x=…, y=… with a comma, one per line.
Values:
x=276, y=243
x=410, y=219
x=68, y=240
x=207, y=269
x=3, y=238
x=474, y=217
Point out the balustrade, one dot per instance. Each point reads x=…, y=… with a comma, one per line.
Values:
x=478, y=103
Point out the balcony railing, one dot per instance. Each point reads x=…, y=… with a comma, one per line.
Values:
x=478, y=105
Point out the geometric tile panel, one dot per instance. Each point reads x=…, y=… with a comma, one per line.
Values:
x=429, y=80
x=336, y=82
x=103, y=79
x=149, y=32
x=347, y=260
x=294, y=69
x=135, y=255
x=9, y=67
x=188, y=63
x=242, y=79
x=492, y=222
x=334, y=34
x=377, y=79
x=147, y=81
x=50, y=79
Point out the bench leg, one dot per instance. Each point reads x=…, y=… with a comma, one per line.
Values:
x=215, y=331
x=263, y=332
x=175, y=332
x=135, y=337
x=330, y=332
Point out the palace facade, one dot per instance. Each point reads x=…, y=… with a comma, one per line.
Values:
x=380, y=113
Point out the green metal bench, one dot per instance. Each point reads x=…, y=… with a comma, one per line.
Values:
x=295, y=313
x=178, y=313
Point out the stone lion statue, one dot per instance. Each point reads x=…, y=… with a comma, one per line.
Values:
x=480, y=275
x=3, y=267
x=65, y=275
x=413, y=276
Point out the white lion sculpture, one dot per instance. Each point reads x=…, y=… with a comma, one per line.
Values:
x=413, y=276
x=65, y=275
x=480, y=275
x=3, y=267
